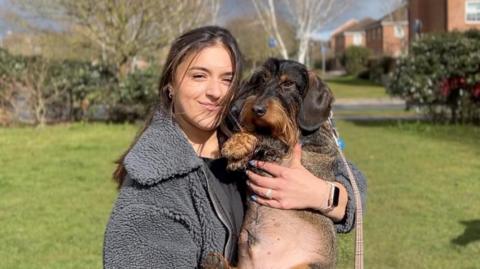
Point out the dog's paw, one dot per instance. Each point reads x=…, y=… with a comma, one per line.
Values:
x=215, y=261
x=239, y=146
x=234, y=165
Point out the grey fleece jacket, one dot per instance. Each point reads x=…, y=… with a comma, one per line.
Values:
x=166, y=214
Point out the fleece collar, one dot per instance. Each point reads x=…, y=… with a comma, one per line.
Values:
x=161, y=152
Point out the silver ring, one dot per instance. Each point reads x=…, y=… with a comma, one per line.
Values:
x=268, y=194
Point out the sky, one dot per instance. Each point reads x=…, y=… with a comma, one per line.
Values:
x=237, y=8
x=359, y=10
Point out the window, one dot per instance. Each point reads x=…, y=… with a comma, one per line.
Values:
x=357, y=39
x=398, y=31
x=472, y=11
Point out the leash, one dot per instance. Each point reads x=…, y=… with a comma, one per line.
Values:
x=356, y=193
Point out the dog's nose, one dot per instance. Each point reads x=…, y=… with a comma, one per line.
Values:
x=259, y=110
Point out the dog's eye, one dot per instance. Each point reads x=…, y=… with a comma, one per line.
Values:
x=288, y=84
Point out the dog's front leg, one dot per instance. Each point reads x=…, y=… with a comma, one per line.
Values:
x=238, y=149
x=216, y=261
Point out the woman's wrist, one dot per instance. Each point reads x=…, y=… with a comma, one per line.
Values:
x=322, y=194
x=336, y=213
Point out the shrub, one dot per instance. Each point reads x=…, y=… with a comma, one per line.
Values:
x=442, y=75
x=35, y=90
x=355, y=59
x=379, y=69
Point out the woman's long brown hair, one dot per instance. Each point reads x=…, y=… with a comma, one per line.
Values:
x=189, y=43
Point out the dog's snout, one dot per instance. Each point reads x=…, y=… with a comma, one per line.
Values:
x=259, y=110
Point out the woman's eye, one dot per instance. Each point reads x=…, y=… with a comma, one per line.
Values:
x=227, y=80
x=198, y=76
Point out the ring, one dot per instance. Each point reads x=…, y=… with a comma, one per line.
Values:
x=268, y=194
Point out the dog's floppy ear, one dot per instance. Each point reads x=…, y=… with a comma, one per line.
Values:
x=317, y=104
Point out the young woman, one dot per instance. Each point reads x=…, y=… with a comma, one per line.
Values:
x=177, y=202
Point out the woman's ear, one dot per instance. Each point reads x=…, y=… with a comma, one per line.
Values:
x=316, y=105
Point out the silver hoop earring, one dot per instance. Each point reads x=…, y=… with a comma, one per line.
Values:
x=170, y=92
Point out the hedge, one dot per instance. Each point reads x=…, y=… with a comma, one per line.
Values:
x=441, y=75
x=36, y=90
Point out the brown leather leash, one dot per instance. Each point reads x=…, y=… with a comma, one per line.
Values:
x=358, y=201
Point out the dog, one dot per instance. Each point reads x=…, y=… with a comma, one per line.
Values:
x=281, y=105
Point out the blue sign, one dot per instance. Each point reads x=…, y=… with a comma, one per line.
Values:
x=272, y=42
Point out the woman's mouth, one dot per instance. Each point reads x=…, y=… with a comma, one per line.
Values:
x=210, y=106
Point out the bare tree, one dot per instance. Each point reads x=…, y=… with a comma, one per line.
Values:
x=30, y=91
x=253, y=40
x=267, y=15
x=214, y=7
x=308, y=17
x=124, y=29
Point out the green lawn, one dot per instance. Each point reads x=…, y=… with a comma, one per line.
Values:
x=424, y=183
x=349, y=87
x=56, y=194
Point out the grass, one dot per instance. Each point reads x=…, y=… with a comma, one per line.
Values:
x=423, y=188
x=350, y=87
x=423, y=203
x=56, y=194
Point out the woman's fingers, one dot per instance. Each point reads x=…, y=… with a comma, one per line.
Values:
x=263, y=181
x=267, y=193
x=266, y=202
x=271, y=168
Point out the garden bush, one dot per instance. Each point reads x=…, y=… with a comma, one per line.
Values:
x=36, y=90
x=379, y=69
x=355, y=59
x=441, y=75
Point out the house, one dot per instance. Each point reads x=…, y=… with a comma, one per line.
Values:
x=388, y=36
x=339, y=30
x=353, y=35
x=427, y=16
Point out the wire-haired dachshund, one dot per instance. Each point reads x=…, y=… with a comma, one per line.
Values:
x=281, y=105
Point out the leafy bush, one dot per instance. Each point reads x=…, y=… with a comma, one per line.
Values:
x=36, y=90
x=379, y=69
x=355, y=59
x=442, y=75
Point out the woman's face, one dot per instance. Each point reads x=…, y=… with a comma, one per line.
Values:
x=201, y=81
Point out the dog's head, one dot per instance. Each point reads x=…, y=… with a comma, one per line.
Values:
x=281, y=99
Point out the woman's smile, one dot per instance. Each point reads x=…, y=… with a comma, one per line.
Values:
x=210, y=106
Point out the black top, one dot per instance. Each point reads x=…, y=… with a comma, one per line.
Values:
x=230, y=193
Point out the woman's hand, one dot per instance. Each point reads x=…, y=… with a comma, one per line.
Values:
x=294, y=187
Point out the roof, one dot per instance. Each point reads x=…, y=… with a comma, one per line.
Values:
x=399, y=14
x=344, y=26
x=360, y=26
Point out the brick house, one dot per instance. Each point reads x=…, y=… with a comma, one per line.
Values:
x=339, y=30
x=389, y=35
x=353, y=35
x=426, y=16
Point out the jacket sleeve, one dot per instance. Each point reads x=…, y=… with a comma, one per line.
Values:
x=341, y=174
x=141, y=236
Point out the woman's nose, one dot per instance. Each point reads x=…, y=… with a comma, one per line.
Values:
x=214, y=89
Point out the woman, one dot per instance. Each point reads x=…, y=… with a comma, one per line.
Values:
x=176, y=202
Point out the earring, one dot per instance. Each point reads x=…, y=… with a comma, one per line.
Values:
x=170, y=93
